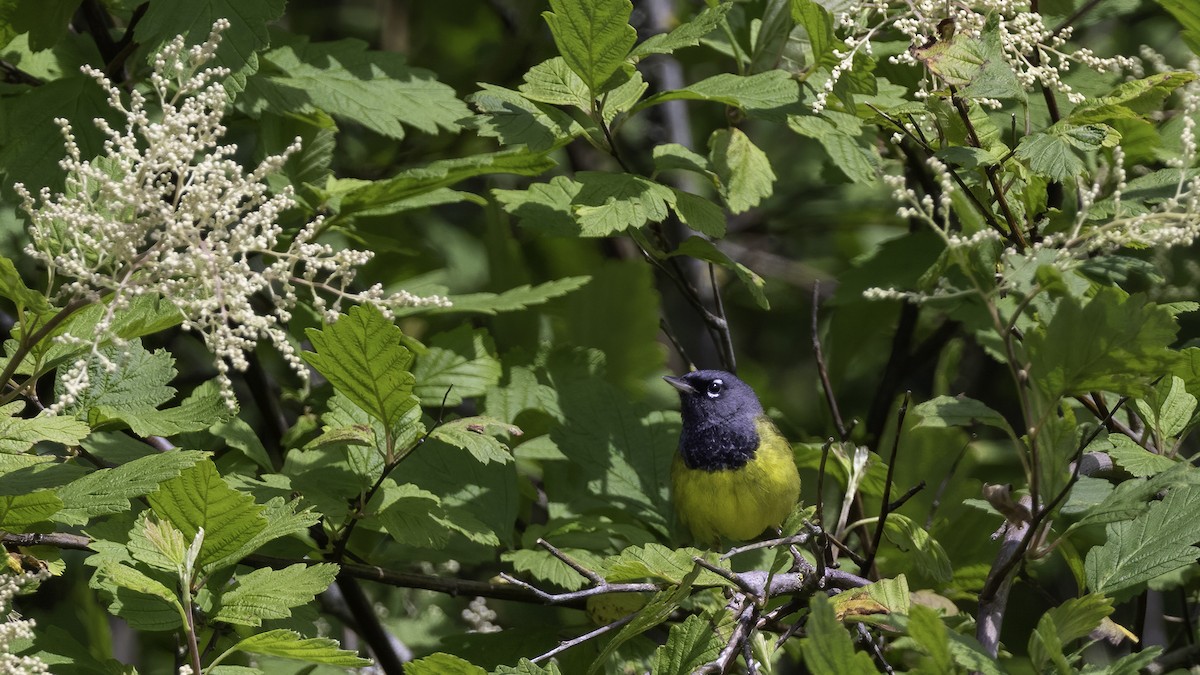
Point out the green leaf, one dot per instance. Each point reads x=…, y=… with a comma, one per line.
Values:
x=441, y=663
x=702, y=249
x=246, y=36
x=1071, y=620
x=669, y=156
x=140, y=380
x=18, y=435
x=593, y=36
x=686, y=34
x=158, y=544
x=546, y=568
x=199, y=498
x=1051, y=153
x=976, y=65
x=925, y=552
x=1153, y=544
x=512, y=300
x=412, y=515
x=18, y=512
x=744, y=172
x=131, y=579
x=109, y=490
x=527, y=667
x=818, y=24
x=13, y=287
x=1113, y=343
x=544, y=207
x=516, y=120
x=927, y=629
x=553, y=81
x=350, y=82
x=460, y=364
x=690, y=644
x=764, y=94
x=655, y=612
x=659, y=563
x=848, y=151
x=1188, y=16
x=1168, y=408
x=1132, y=99
x=827, y=647
x=608, y=203
x=200, y=410
x=291, y=645
x=474, y=434
x=363, y=356
x=1135, y=459
x=270, y=594
x=699, y=214
x=957, y=411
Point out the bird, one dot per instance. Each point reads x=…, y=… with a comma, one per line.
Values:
x=734, y=474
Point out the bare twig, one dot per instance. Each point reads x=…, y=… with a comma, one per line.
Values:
x=574, y=564
x=885, y=503
x=822, y=370
x=937, y=496
x=894, y=506
x=768, y=543
x=567, y=644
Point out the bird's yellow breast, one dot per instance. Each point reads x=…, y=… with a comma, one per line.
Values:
x=738, y=503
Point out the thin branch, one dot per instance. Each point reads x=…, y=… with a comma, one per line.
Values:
x=822, y=370
x=27, y=343
x=768, y=543
x=900, y=501
x=727, y=343
x=369, y=626
x=574, y=564
x=737, y=580
x=820, y=514
x=665, y=327
x=937, y=496
x=741, y=631
x=567, y=644
x=885, y=503
x=1015, y=233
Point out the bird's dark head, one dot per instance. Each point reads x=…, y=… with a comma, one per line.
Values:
x=715, y=398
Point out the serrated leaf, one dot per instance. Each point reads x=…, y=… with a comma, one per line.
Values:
x=686, y=34
x=411, y=515
x=18, y=435
x=764, y=94
x=240, y=43
x=516, y=120
x=699, y=213
x=1155, y=543
x=1168, y=407
x=1113, y=343
x=958, y=411
x=474, y=434
x=459, y=364
x=512, y=300
x=131, y=579
x=527, y=667
x=1135, y=459
x=658, y=563
x=553, y=81
x=351, y=82
x=158, y=544
x=842, y=143
x=283, y=520
x=544, y=567
x=926, y=553
x=18, y=512
x=609, y=203
x=545, y=207
x=140, y=380
x=827, y=647
x=669, y=156
x=818, y=24
x=1188, y=16
x=204, y=407
x=593, y=36
x=689, y=645
x=440, y=663
x=291, y=645
x=743, y=170
x=927, y=629
x=702, y=249
x=1133, y=98
x=383, y=197
x=109, y=490
x=1071, y=620
x=271, y=594
x=199, y=498
x=656, y=611
x=363, y=356
x=976, y=65
x=13, y=287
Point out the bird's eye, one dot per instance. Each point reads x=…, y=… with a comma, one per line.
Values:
x=715, y=388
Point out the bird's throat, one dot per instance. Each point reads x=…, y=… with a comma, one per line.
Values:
x=721, y=447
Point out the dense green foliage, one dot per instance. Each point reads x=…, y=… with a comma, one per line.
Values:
x=951, y=245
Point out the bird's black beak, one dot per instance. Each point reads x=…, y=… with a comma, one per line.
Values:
x=680, y=384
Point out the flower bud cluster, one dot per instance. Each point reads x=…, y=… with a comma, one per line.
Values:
x=167, y=211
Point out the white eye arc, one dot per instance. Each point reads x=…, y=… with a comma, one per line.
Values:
x=714, y=388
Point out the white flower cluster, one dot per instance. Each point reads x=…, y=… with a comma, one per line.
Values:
x=15, y=628
x=166, y=211
x=1034, y=51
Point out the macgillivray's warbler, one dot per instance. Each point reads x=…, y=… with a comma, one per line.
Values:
x=734, y=474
